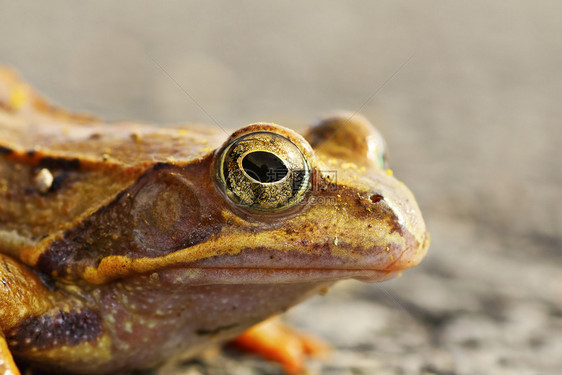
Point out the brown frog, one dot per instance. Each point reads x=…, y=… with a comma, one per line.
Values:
x=125, y=244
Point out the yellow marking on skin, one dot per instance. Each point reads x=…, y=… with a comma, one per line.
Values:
x=18, y=97
x=349, y=166
x=389, y=172
x=23, y=294
x=92, y=353
x=188, y=274
x=124, y=346
x=128, y=326
x=14, y=244
x=7, y=364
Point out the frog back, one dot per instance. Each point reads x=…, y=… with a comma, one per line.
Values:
x=58, y=167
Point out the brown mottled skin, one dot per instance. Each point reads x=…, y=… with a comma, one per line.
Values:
x=135, y=252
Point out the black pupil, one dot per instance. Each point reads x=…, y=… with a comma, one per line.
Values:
x=264, y=167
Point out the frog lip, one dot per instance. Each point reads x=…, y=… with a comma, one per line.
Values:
x=266, y=266
x=262, y=275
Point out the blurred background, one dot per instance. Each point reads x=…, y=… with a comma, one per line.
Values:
x=467, y=94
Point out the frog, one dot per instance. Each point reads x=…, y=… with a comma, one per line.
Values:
x=125, y=245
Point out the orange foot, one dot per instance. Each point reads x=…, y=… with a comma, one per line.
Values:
x=275, y=341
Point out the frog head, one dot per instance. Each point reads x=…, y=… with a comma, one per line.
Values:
x=267, y=205
x=329, y=203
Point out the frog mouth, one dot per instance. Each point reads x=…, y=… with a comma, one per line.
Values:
x=247, y=275
x=257, y=267
x=262, y=265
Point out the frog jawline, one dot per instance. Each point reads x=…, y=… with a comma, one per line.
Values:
x=216, y=275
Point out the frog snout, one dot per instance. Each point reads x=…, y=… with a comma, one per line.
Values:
x=405, y=227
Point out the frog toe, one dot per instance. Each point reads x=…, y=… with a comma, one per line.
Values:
x=277, y=342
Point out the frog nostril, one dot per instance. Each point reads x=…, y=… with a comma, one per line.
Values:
x=264, y=167
x=376, y=198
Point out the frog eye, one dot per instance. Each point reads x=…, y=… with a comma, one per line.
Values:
x=263, y=171
x=351, y=137
x=383, y=159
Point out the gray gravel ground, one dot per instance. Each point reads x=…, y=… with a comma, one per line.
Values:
x=468, y=95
